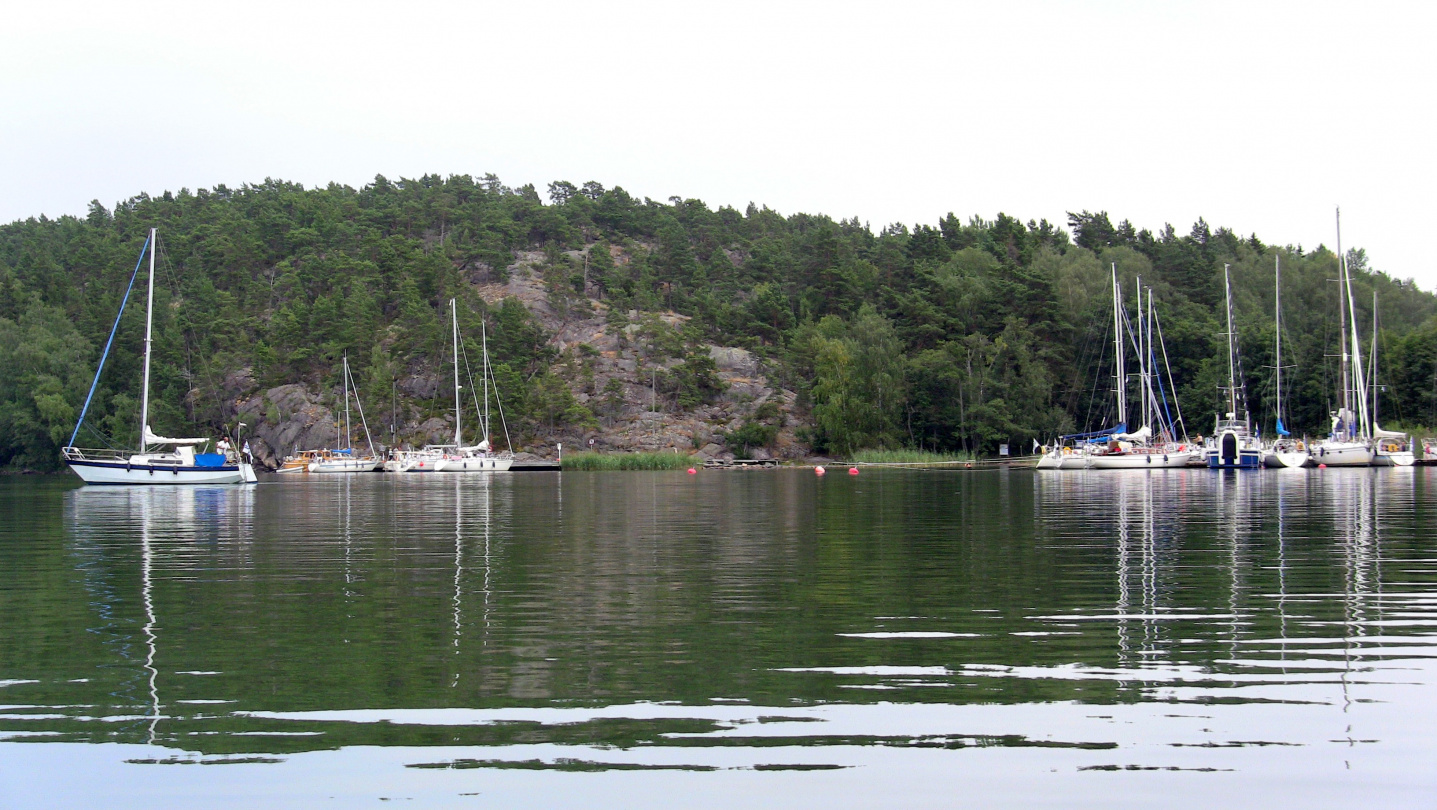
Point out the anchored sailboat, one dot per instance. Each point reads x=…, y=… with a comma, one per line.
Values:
x=150, y=464
x=1233, y=446
x=1116, y=448
x=1284, y=451
x=344, y=459
x=1348, y=445
x=1390, y=448
x=456, y=457
x=479, y=457
x=1146, y=447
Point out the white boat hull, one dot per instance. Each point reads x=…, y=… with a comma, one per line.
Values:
x=1292, y=458
x=118, y=472
x=1340, y=454
x=1401, y=458
x=345, y=465
x=474, y=464
x=1140, y=461
x=414, y=463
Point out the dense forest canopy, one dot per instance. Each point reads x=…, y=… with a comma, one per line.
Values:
x=956, y=335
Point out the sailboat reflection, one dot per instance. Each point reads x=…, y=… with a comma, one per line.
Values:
x=168, y=523
x=1145, y=544
x=483, y=558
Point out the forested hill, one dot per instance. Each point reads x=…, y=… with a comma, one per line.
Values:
x=951, y=335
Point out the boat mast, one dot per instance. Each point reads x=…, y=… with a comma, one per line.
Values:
x=1118, y=340
x=149, y=323
x=1138, y=347
x=1374, y=364
x=1231, y=369
x=1346, y=412
x=348, y=426
x=1159, y=408
x=1359, y=382
x=484, y=342
x=1277, y=319
x=454, y=315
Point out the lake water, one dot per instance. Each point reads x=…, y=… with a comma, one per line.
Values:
x=732, y=639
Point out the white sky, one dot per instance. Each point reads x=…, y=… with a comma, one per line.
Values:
x=1257, y=116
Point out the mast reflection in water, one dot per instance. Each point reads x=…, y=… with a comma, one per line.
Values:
x=621, y=639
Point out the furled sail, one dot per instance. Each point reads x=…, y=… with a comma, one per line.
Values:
x=151, y=438
x=1142, y=434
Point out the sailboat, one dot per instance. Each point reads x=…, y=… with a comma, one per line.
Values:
x=151, y=463
x=1348, y=444
x=344, y=459
x=1233, y=445
x=1390, y=448
x=455, y=457
x=479, y=457
x=1284, y=451
x=1143, y=448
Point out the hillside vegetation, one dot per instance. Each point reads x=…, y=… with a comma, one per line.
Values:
x=953, y=336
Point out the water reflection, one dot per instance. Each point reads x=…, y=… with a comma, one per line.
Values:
x=943, y=628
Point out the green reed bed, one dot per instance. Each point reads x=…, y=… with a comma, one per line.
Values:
x=626, y=461
x=909, y=457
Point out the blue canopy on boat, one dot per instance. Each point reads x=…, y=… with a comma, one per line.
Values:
x=1123, y=428
x=209, y=460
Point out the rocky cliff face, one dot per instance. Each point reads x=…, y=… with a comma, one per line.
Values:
x=293, y=416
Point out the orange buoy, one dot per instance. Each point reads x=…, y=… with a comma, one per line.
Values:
x=853, y=471
x=692, y=471
x=819, y=470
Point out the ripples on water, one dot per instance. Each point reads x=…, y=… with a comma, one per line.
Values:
x=899, y=639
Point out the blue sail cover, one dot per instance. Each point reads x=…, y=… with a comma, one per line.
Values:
x=1123, y=428
x=1281, y=431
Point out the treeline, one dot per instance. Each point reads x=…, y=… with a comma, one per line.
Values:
x=954, y=336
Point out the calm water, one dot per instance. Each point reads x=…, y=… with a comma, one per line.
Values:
x=731, y=639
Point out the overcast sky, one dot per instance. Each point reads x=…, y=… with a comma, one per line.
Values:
x=1256, y=116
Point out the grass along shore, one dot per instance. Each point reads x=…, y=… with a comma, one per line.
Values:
x=586, y=460
x=909, y=457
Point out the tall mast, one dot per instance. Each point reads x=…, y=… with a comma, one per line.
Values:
x=454, y=315
x=1373, y=415
x=1118, y=340
x=348, y=426
x=1342, y=319
x=149, y=323
x=1144, y=390
x=1277, y=320
x=1231, y=369
x=484, y=342
x=1152, y=361
x=1359, y=382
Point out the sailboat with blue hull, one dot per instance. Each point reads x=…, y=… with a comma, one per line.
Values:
x=152, y=463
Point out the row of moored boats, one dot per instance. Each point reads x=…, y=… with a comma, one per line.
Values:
x=1355, y=440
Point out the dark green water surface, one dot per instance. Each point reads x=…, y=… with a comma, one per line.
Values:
x=731, y=639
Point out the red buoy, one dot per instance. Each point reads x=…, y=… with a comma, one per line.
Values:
x=853, y=471
x=692, y=471
x=819, y=470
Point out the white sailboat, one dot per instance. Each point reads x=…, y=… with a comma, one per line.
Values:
x=454, y=457
x=1348, y=445
x=1143, y=448
x=478, y=457
x=1233, y=445
x=1284, y=451
x=151, y=464
x=345, y=459
x=1390, y=448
